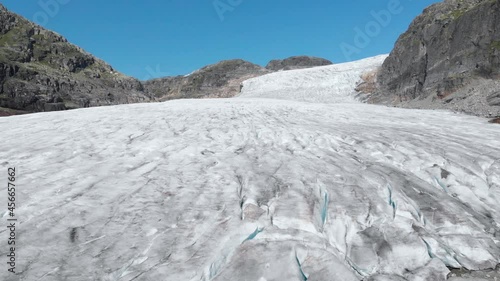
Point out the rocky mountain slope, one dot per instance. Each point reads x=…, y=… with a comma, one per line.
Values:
x=297, y=62
x=220, y=80
x=448, y=58
x=41, y=71
x=223, y=79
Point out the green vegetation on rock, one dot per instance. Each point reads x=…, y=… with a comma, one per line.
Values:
x=495, y=45
x=458, y=13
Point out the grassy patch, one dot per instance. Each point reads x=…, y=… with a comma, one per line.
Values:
x=16, y=35
x=6, y=39
x=457, y=13
x=11, y=38
x=495, y=45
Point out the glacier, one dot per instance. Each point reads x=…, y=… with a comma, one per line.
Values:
x=292, y=180
x=323, y=84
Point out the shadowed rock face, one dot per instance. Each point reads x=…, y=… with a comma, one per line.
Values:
x=451, y=45
x=220, y=80
x=41, y=71
x=297, y=62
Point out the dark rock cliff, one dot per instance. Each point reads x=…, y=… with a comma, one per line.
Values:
x=448, y=58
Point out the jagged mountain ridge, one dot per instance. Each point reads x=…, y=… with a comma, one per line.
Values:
x=296, y=62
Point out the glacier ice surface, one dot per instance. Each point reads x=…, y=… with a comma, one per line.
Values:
x=254, y=188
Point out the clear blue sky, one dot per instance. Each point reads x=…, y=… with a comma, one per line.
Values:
x=151, y=38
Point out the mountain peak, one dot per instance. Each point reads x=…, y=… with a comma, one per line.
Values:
x=297, y=62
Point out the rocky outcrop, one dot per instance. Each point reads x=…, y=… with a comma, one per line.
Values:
x=494, y=99
x=220, y=80
x=297, y=62
x=448, y=58
x=41, y=71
